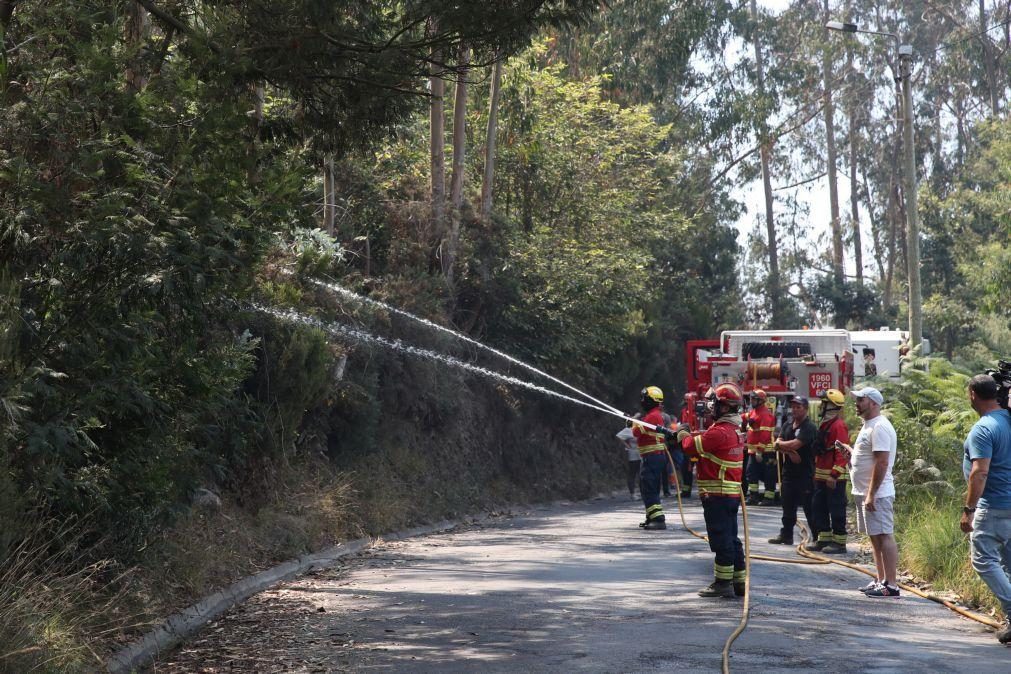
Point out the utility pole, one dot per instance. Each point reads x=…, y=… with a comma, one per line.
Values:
x=912, y=217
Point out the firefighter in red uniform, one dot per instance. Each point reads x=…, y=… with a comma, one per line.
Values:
x=828, y=503
x=653, y=453
x=721, y=456
x=760, y=422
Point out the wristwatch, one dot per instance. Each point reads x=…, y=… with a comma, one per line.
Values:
x=967, y=510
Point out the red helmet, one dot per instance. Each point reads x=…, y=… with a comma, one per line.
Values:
x=729, y=393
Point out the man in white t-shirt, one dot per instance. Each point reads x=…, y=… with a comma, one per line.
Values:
x=871, y=459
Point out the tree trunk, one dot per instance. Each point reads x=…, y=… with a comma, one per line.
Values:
x=255, y=122
x=437, y=125
x=456, y=182
x=765, y=145
x=138, y=25
x=459, y=132
x=488, y=180
x=886, y=295
x=833, y=183
x=989, y=61
x=877, y=231
x=329, y=198
x=858, y=253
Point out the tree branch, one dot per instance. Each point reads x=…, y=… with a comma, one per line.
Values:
x=177, y=24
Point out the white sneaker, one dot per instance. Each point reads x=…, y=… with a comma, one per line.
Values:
x=870, y=586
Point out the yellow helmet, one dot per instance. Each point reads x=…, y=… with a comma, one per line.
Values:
x=833, y=396
x=652, y=393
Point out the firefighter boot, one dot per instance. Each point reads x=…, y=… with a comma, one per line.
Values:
x=739, y=589
x=754, y=498
x=655, y=524
x=718, y=588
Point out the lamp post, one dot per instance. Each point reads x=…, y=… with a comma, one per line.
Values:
x=905, y=54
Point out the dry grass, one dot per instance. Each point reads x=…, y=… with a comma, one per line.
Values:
x=55, y=608
x=306, y=509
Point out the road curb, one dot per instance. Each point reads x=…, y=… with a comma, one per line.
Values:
x=178, y=626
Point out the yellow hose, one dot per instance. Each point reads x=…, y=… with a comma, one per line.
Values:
x=747, y=588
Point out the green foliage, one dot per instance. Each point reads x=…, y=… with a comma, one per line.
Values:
x=851, y=305
x=315, y=252
x=294, y=375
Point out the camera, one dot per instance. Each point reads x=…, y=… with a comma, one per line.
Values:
x=1002, y=375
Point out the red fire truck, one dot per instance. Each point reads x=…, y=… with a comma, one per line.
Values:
x=782, y=363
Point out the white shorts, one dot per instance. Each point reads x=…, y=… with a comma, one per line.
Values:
x=879, y=521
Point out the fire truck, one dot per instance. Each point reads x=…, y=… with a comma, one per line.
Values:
x=784, y=363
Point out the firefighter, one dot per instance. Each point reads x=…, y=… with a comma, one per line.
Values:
x=760, y=422
x=653, y=453
x=797, y=445
x=721, y=455
x=828, y=503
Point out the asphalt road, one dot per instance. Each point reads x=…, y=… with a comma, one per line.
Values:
x=580, y=588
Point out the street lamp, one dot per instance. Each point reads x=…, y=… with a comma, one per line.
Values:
x=905, y=53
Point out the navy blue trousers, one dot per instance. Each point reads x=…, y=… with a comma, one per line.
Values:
x=653, y=470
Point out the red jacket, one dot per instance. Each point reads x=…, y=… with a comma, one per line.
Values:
x=721, y=456
x=761, y=423
x=650, y=441
x=831, y=462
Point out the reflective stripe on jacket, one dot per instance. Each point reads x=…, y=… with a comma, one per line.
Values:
x=761, y=424
x=721, y=457
x=831, y=462
x=648, y=440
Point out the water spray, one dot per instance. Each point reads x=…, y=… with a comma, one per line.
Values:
x=340, y=330
x=340, y=290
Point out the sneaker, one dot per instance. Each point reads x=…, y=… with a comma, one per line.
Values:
x=779, y=540
x=870, y=586
x=654, y=525
x=718, y=588
x=1004, y=633
x=883, y=590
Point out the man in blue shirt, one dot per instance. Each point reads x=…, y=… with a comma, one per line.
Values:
x=986, y=516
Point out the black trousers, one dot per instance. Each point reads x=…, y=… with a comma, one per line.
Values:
x=720, y=513
x=770, y=474
x=684, y=467
x=828, y=508
x=796, y=494
x=632, y=475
